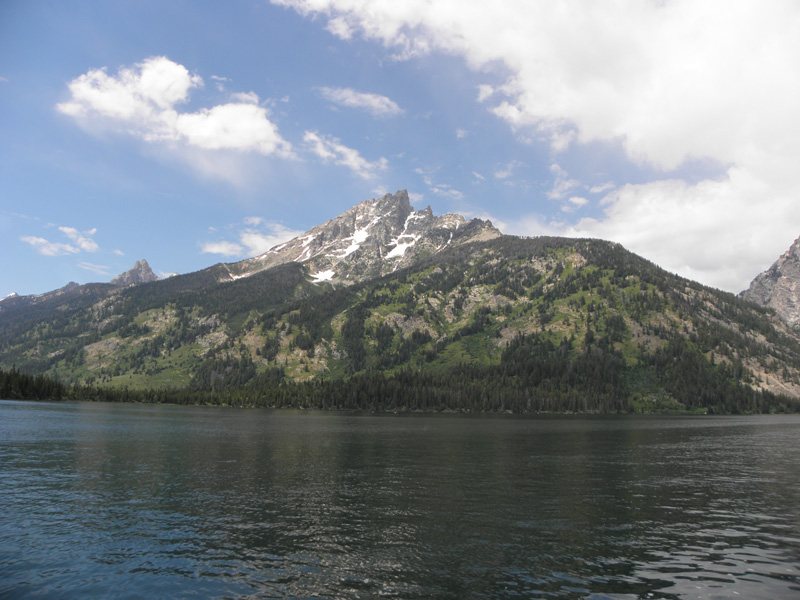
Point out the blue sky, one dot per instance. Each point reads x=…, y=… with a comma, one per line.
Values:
x=189, y=133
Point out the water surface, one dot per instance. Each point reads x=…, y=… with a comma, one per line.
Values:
x=132, y=501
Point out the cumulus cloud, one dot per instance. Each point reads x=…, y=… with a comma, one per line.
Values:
x=331, y=149
x=667, y=82
x=696, y=229
x=377, y=105
x=258, y=236
x=143, y=100
x=80, y=242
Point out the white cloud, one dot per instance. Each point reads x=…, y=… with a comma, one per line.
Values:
x=695, y=230
x=377, y=105
x=99, y=269
x=508, y=170
x=240, y=126
x=223, y=248
x=603, y=187
x=562, y=183
x=340, y=28
x=331, y=149
x=440, y=189
x=461, y=133
x=219, y=82
x=143, y=100
x=666, y=81
x=256, y=238
x=485, y=92
x=81, y=242
x=48, y=248
x=668, y=78
x=574, y=203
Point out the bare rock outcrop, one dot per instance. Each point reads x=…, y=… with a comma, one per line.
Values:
x=779, y=286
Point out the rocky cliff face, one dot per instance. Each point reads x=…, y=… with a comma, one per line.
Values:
x=140, y=273
x=371, y=239
x=779, y=286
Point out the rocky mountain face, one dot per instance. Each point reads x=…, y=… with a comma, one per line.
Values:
x=779, y=286
x=376, y=237
x=140, y=273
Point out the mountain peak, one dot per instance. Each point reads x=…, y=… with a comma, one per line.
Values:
x=400, y=200
x=139, y=273
x=373, y=238
x=779, y=286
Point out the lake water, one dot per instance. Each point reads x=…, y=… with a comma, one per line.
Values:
x=133, y=501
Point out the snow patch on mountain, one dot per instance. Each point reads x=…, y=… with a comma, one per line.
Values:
x=373, y=238
x=323, y=276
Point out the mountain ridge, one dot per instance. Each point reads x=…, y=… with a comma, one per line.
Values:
x=467, y=323
x=373, y=238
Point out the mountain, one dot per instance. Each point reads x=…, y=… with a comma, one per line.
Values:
x=15, y=301
x=139, y=273
x=374, y=238
x=779, y=286
x=388, y=307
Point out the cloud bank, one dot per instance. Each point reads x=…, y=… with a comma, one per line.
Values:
x=669, y=82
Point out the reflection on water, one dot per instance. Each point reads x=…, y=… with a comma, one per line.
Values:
x=176, y=501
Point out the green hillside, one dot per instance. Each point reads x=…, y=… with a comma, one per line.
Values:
x=526, y=325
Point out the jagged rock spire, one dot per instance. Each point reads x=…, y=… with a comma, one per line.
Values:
x=140, y=273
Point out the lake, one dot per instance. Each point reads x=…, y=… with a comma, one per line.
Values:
x=148, y=501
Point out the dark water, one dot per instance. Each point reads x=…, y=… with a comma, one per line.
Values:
x=126, y=501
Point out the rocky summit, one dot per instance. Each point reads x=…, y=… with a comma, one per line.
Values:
x=140, y=273
x=376, y=237
x=779, y=286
